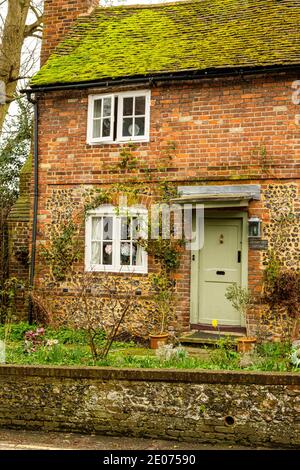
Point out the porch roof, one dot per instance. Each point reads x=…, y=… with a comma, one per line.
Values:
x=218, y=196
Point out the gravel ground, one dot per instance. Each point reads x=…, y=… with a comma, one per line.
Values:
x=34, y=440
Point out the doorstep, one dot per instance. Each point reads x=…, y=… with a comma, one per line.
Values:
x=206, y=337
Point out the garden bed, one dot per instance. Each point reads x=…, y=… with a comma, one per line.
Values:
x=70, y=348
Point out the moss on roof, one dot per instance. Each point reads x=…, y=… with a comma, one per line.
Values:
x=184, y=36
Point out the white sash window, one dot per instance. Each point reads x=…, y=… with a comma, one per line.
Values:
x=119, y=117
x=112, y=240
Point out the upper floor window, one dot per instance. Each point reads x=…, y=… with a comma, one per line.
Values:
x=119, y=117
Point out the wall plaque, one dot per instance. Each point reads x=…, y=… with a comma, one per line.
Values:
x=258, y=244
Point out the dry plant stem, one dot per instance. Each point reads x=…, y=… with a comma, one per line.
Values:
x=113, y=333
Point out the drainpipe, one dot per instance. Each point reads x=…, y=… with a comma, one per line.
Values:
x=35, y=201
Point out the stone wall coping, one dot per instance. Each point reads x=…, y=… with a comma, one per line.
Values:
x=153, y=375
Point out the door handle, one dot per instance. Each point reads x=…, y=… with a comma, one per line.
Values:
x=239, y=256
x=220, y=273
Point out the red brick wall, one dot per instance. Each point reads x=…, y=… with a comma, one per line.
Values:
x=58, y=17
x=222, y=129
x=225, y=131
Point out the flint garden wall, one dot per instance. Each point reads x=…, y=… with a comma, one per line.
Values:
x=203, y=406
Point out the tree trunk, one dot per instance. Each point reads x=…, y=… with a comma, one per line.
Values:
x=13, y=35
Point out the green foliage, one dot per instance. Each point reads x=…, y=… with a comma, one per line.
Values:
x=272, y=270
x=166, y=252
x=73, y=349
x=14, y=148
x=103, y=196
x=168, y=191
x=17, y=331
x=225, y=355
x=163, y=288
x=8, y=293
x=56, y=355
x=70, y=336
x=127, y=160
x=240, y=299
x=274, y=350
x=130, y=191
x=63, y=250
x=281, y=286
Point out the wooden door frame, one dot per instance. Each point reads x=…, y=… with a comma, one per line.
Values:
x=195, y=262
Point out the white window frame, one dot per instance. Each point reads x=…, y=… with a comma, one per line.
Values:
x=92, y=99
x=115, y=267
x=119, y=128
x=129, y=94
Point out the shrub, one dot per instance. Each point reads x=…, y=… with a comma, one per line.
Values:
x=284, y=290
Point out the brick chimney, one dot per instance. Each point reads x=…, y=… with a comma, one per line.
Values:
x=58, y=17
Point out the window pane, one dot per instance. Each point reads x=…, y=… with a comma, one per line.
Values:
x=139, y=128
x=97, y=108
x=96, y=228
x=125, y=228
x=107, y=253
x=125, y=254
x=106, y=128
x=106, y=107
x=135, y=228
x=140, y=105
x=127, y=127
x=107, y=228
x=96, y=253
x=96, y=128
x=137, y=251
x=138, y=255
x=128, y=107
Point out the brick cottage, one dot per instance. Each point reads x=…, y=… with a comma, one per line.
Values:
x=189, y=102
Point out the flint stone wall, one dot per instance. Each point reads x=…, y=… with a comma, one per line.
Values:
x=203, y=406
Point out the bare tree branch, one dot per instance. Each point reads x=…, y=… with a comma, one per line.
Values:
x=16, y=59
x=33, y=27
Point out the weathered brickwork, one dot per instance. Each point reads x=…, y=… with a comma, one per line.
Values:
x=221, y=131
x=201, y=406
x=60, y=16
x=3, y=245
x=208, y=130
x=19, y=231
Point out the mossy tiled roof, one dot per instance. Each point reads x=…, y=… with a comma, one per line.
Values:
x=175, y=37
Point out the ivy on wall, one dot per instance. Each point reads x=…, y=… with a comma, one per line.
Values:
x=63, y=249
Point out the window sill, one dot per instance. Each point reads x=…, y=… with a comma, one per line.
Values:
x=118, y=142
x=99, y=269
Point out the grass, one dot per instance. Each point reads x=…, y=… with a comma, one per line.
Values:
x=73, y=349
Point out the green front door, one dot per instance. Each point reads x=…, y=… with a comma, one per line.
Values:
x=219, y=264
